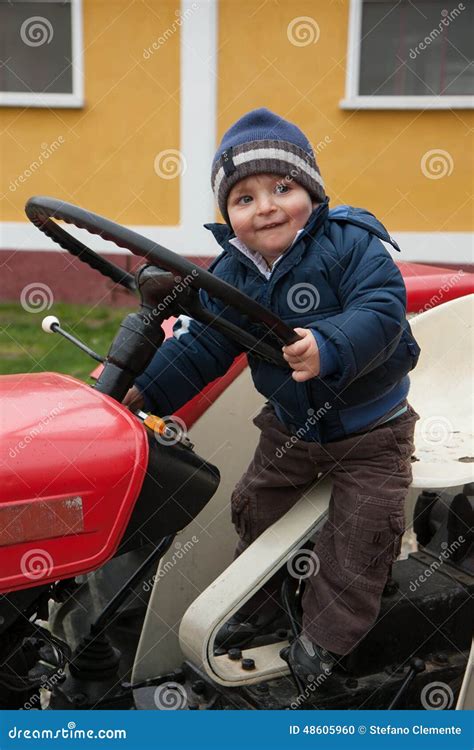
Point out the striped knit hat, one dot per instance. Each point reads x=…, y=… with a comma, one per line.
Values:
x=259, y=142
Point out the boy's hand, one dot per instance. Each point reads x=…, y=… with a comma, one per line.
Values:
x=303, y=356
x=134, y=399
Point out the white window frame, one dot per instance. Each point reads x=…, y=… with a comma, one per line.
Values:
x=352, y=98
x=73, y=100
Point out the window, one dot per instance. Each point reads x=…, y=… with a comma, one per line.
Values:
x=41, y=53
x=410, y=54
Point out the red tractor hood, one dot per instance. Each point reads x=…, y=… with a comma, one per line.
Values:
x=72, y=464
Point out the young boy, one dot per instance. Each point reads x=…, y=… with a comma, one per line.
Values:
x=327, y=275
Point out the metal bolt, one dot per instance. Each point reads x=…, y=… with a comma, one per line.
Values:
x=262, y=687
x=352, y=683
x=282, y=633
x=234, y=653
x=248, y=664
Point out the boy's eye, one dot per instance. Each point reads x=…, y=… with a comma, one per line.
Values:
x=281, y=188
x=243, y=197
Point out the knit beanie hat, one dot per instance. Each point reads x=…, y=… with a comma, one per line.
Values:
x=259, y=142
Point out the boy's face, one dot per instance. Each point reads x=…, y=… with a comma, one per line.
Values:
x=260, y=201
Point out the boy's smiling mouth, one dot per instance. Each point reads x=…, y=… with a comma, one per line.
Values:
x=271, y=226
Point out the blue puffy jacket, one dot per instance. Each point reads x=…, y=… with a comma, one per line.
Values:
x=338, y=280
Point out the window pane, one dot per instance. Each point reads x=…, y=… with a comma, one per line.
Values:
x=422, y=47
x=35, y=47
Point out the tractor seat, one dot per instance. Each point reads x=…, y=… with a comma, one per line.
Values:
x=441, y=392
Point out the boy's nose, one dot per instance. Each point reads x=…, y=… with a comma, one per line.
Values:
x=265, y=204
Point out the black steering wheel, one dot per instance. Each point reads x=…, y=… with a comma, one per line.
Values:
x=44, y=212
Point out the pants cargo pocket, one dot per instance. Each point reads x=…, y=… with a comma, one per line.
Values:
x=374, y=542
x=240, y=515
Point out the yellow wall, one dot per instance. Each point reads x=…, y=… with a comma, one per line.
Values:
x=131, y=114
x=369, y=158
x=373, y=159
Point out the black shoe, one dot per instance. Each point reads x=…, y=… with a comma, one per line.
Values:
x=308, y=661
x=239, y=630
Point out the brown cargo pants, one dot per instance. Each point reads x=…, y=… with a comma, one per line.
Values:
x=355, y=548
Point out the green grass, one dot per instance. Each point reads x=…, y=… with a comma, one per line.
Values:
x=24, y=347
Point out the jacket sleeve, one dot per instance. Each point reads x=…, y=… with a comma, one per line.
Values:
x=185, y=363
x=373, y=300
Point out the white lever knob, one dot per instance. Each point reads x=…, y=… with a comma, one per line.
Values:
x=48, y=322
